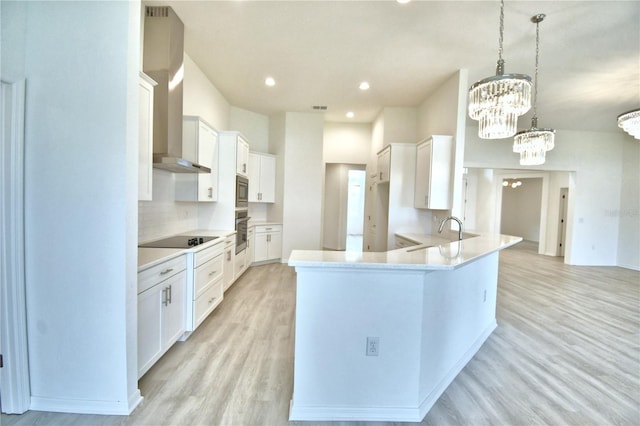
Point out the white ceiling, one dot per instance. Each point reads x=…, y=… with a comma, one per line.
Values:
x=319, y=51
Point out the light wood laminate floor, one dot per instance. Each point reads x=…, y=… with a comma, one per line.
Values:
x=566, y=352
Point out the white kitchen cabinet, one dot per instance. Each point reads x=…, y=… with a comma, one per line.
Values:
x=433, y=185
x=161, y=310
x=384, y=164
x=199, y=144
x=229, y=258
x=262, y=178
x=240, y=264
x=145, y=137
x=242, y=157
x=268, y=243
x=207, y=283
x=250, y=242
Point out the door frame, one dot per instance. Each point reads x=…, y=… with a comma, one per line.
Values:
x=15, y=392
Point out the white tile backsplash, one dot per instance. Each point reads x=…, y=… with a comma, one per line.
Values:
x=158, y=219
x=162, y=216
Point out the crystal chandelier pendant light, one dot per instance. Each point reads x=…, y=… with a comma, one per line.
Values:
x=532, y=144
x=497, y=101
x=630, y=123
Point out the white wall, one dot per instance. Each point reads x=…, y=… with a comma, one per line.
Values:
x=400, y=125
x=521, y=209
x=335, y=207
x=444, y=113
x=597, y=160
x=254, y=126
x=629, y=212
x=202, y=98
x=277, y=139
x=80, y=198
x=348, y=143
x=303, y=182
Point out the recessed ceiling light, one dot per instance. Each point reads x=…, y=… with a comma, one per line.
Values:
x=364, y=86
x=350, y=114
x=403, y=1
x=269, y=81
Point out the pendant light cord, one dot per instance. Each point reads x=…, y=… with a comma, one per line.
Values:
x=500, y=65
x=501, y=38
x=536, y=19
x=535, y=77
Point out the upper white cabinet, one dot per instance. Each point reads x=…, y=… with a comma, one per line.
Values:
x=199, y=143
x=384, y=164
x=262, y=178
x=242, y=157
x=145, y=141
x=433, y=173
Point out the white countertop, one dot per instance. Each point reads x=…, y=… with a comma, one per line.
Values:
x=443, y=255
x=263, y=223
x=148, y=257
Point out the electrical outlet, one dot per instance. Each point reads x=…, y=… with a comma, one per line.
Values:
x=373, y=346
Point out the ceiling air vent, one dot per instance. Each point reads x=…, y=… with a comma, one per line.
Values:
x=157, y=12
x=319, y=107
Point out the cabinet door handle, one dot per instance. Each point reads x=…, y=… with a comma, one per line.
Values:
x=380, y=175
x=269, y=238
x=170, y=294
x=212, y=273
x=229, y=255
x=166, y=271
x=212, y=300
x=210, y=192
x=165, y=300
x=244, y=167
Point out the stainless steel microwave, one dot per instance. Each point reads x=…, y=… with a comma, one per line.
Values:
x=242, y=192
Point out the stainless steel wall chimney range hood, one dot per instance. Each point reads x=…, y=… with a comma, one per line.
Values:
x=163, y=61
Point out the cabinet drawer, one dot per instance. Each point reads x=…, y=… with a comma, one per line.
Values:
x=261, y=229
x=209, y=253
x=207, y=302
x=207, y=273
x=152, y=276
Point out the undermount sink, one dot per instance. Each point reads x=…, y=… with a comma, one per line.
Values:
x=420, y=247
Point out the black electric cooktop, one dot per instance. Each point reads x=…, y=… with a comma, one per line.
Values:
x=179, y=241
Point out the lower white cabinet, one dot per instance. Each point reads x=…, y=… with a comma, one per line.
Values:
x=161, y=310
x=268, y=243
x=251, y=240
x=229, y=259
x=206, y=291
x=240, y=264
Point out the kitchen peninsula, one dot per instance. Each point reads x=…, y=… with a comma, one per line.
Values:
x=380, y=336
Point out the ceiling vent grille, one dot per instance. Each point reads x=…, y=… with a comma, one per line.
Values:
x=320, y=107
x=157, y=11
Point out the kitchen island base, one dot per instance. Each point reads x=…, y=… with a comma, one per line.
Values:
x=429, y=323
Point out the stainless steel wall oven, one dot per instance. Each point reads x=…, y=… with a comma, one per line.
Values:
x=242, y=226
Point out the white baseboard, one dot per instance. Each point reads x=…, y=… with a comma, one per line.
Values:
x=81, y=406
x=343, y=413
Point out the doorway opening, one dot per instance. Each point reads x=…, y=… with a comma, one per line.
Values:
x=344, y=196
x=355, y=209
